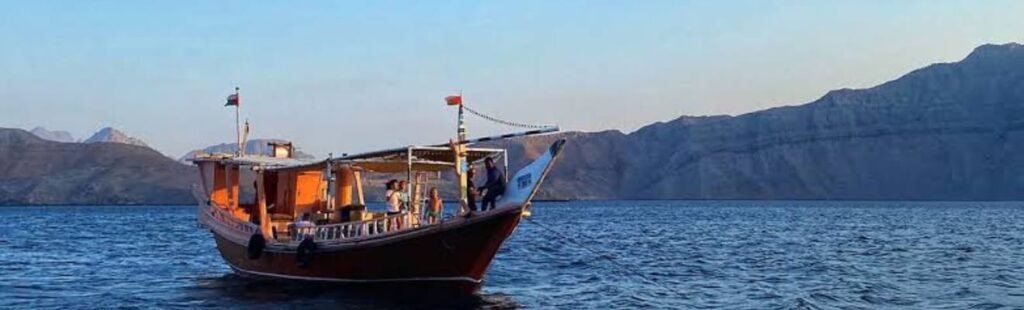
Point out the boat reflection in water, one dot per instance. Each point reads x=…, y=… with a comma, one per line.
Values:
x=251, y=205
x=235, y=291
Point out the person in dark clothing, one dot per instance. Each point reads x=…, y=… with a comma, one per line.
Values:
x=470, y=189
x=495, y=185
x=467, y=206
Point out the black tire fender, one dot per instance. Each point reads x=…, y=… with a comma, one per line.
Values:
x=256, y=245
x=304, y=254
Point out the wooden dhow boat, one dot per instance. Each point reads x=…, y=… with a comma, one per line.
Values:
x=252, y=206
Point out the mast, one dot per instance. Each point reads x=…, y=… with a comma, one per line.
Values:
x=331, y=191
x=235, y=100
x=460, y=148
x=261, y=204
x=462, y=121
x=238, y=129
x=245, y=136
x=408, y=183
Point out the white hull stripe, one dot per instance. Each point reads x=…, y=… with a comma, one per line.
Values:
x=341, y=280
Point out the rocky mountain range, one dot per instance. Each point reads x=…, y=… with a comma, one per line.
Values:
x=111, y=135
x=55, y=135
x=949, y=131
x=38, y=171
x=104, y=135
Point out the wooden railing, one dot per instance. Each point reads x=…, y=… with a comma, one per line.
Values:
x=358, y=229
x=332, y=232
x=229, y=220
x=223, y=217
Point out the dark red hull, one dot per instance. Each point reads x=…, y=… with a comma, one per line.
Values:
x=455, y=255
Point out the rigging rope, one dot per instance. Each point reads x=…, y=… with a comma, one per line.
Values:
x=606, y=257
x=503, y=122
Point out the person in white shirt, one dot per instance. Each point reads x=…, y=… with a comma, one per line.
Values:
x=403, y=195
x=304, y=228
x=393, y=197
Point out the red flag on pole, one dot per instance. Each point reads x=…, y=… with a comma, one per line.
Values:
x=454, y=100
x=233, y=100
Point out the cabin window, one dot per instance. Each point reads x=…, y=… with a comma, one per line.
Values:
x=247, y=187
x=270, y=184
x=308, y=188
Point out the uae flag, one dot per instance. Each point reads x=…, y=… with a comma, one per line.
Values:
x=232, y=100
x=454, y=100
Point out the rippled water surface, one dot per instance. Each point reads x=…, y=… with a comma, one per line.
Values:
x=622, y=254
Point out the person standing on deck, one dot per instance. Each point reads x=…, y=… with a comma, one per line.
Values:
x=467, y=205
x=471, y=189
x=391, y=196
x=495, y=185
x=403, y=194
x=405, y=203
x=436, y=205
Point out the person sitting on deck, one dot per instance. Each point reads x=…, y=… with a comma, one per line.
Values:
x=495, y=185
x=304, y=228
x=436, y=204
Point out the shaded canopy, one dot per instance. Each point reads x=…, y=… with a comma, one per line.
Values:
x=424, y=158
x=265, y=162
x=433, y=153
x=397, y=165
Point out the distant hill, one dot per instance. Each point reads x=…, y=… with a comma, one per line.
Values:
x=37, y=171
x=56, y=136
x=111, y=135
x=950, y=131
x=252, y=147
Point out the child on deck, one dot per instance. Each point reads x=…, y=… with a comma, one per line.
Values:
x=434, y=212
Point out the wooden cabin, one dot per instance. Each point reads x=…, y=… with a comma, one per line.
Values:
x=279, y=190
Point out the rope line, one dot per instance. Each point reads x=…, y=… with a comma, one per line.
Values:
x=503, y=122
x=606, y=257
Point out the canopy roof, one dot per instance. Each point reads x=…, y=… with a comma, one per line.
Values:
x=432, y=153
x=424, y=158
x=254, y=160
x=396, y=166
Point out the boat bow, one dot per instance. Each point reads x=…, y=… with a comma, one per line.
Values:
x=526, y=182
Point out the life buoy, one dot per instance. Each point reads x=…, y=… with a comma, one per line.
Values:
x=256, y=246
x=304, y=255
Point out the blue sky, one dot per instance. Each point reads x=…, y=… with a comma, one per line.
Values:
x=354, y=76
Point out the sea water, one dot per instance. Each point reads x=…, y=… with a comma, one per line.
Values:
x=583, y=254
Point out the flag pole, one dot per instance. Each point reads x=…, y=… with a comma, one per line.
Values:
x=238, y=130
x=459, y=148
x=461, y=132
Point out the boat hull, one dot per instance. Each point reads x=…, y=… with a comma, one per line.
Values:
x=454, y=255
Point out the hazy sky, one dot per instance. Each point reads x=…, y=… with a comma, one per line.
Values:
x=355, y=76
